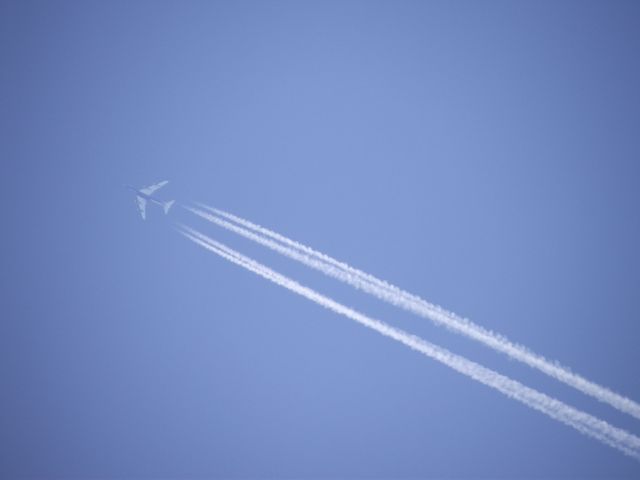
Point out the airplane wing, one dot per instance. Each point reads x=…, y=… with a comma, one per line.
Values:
x=142, y=206
x=149, y=190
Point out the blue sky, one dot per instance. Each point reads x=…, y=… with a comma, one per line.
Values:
x=483, y=155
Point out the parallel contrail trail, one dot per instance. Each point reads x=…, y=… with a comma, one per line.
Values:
x=412, y=303
x=581, y=421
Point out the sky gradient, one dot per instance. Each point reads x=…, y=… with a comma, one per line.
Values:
x=483, y=155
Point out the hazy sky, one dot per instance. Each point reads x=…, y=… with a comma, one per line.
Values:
x=484, y=155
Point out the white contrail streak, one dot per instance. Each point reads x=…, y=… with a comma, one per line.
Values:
x=412, y=303
x=581, y=421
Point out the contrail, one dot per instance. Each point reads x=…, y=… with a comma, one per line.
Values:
x=412, y=303
x=581, y=421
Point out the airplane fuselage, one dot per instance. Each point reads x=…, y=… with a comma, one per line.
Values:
x=141, y=194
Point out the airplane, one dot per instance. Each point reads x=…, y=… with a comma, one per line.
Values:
x=144, y=194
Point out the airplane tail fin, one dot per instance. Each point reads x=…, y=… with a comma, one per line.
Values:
x=167, y=206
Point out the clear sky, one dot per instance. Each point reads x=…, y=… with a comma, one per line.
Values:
x=484, y=155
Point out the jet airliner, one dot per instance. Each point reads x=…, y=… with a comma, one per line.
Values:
x=144, y=194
